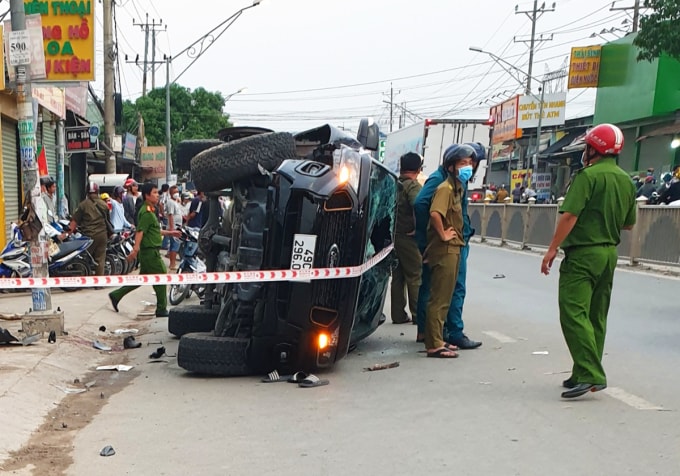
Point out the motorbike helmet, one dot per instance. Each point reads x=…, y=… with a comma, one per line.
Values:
x=480, y=151
x=105, y=196
x=606, y=139
x=667, y=177
x=130, y=182
x=118, y=192
x=456, y=152
x=92, y=188
x=410, y=162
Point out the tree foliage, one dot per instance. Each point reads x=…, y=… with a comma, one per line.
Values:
x=659, y=31
x=194, y=114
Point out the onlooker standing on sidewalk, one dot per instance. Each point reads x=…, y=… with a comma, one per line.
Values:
x=406, y=276
x=444, y=242
x=502, y=194
x=599, y=204
x=198, y=211
x=90, y=217
x=147, y=245
x=130, y=200
x=173, y=212
x=517, y=193
x=117, y=211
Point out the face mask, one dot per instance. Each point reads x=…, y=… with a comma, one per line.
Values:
x=465, y=173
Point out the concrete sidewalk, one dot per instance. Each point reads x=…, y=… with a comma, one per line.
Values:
x=30, y=375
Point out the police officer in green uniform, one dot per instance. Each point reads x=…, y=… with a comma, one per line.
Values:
x=406, y=276
x=599, y=204
x=444, y=242
x=148, y=239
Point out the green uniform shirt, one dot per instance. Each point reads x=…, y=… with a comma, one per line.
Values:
x=408, y=191
x=147, y=223
x=90, y=216
x=602, y=196
x=448, y=202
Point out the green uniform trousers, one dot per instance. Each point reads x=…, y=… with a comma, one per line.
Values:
x=150, y=262
x=586, y=278
x=405, y=278
x=444, y=272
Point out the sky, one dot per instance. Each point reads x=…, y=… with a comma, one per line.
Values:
x=309, y=62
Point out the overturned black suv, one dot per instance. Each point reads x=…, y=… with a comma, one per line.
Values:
x=313, y=200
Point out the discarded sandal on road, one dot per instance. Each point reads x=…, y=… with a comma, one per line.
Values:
x=274, y=376
x=130, y=343
x=443, y=353
x=313, y=381
x=297, y=377
x=158, y=354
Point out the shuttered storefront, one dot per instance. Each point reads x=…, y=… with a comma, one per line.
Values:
x=10, y=171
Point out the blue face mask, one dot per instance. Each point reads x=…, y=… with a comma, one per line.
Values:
x=465, y=173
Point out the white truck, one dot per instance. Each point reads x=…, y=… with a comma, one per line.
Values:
x=430, y=138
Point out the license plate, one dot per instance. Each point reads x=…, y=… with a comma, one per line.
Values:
x=128, y=247
x=303, y=252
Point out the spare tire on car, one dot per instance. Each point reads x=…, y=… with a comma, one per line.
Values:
x=203, y=353
x=188, y=149
x=216, y=168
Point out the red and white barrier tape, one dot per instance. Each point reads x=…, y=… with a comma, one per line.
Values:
x=196, y=278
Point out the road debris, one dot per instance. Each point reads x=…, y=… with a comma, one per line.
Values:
x=6, y=337
x=70, y=391
x=52, y=337
x=28, y=340
x=120, y=332
x=158, y=354
x=119, y=367
x=541, y=352
x=130, y=343
x=107, y=451
x=375, y=367
x=100, y=346
x=102, y=328
x=499, y=276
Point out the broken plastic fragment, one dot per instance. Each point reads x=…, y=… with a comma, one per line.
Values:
x=381, y=366
x=71, y=391
x=98, y=345
x=28, y=340
x=107, y=451
x=541, y=352
x=119, y=332
x=119, y=367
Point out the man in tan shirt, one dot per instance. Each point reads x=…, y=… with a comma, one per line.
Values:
x=445, y=239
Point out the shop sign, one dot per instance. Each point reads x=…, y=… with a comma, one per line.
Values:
x=68, y=38
x=153, y=161
x=80, y=139
x=504, y=118
x=554, y=110
x=584, y=67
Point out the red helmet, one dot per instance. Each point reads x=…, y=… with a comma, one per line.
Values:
x=605, y=139
x=92, y=188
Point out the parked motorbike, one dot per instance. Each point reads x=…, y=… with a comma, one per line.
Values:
x=117, y=250
x=14, y=258
x=190, y=263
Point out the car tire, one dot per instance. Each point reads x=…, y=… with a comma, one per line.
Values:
x=203, y=353
x=186, y=319
x=216, y=168
x=188, y=149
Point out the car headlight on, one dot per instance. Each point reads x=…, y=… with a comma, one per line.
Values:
x=347, y=165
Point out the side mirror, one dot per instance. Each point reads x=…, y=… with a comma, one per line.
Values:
x=369, y=134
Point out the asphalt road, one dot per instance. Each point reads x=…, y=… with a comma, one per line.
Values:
x=493, y=411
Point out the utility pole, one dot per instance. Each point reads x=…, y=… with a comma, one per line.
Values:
x=636, y=12
x=109, y=108
x=391, y=103
x=149, y=29
x=41, y=297
x=533, y=14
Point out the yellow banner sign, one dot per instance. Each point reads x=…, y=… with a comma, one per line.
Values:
x=521, y=177
x=584, y=67
x=68, y=38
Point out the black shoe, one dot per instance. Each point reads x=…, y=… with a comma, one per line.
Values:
x=130, y=343
x=162, y=313
x=464, y=343
x=569, y=383
x=582, y=389
x=114, y=302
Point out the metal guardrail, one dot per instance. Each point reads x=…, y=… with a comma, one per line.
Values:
x=654, y=239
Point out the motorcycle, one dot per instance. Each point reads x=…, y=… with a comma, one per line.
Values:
x=14, y=258
x=190, y=263
x=66, y=259
x=117, y=250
